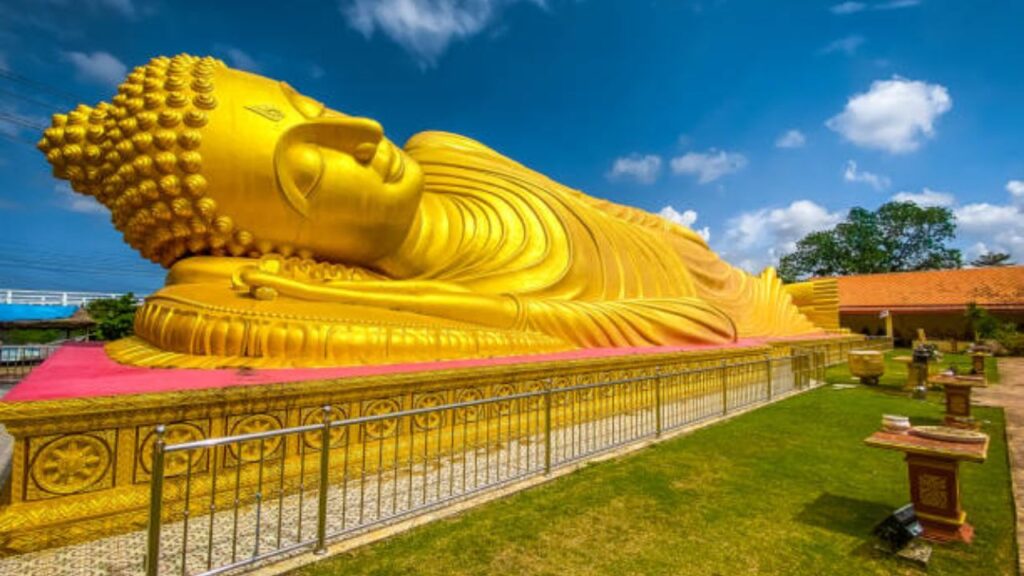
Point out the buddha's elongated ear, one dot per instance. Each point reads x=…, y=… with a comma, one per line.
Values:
x=298, y=162
x=357, y=137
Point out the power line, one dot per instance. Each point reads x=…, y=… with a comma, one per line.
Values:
x=30, y=100
x=17, y=138
x=15, y=119
x=67, y=97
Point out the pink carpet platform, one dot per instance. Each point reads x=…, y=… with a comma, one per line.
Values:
x=85, y=370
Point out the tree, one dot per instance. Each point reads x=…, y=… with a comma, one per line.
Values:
x=115, y=317
x=897, y=237
x=992, y=259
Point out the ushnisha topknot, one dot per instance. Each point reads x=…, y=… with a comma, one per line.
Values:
x=140, y=156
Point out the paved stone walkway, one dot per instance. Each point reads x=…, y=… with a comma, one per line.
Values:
x=1009, y=394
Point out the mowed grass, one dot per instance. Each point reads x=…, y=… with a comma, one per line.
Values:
x=788, y=489
x=896, y=372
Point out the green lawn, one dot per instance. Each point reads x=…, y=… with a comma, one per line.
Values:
x=896, y=372
x=787, y=489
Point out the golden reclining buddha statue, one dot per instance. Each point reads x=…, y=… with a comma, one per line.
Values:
x=296, y=235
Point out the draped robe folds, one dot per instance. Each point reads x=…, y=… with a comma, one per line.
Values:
x=585, y=271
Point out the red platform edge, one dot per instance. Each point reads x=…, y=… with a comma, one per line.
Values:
x=83, y=370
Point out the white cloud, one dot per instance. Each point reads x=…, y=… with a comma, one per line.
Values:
x=685, y=218
x=976, y=249
x=709, y=166
x=643, y=169
x=847, y=8
x=995, y=227
x=926, y=197
x=97, y=67
x=68, y=199
x=847, y=45
x=876, y=181
x=424, y=28
x=893, y=115
x=896, y=4
x=982, y=217
x=791, y=139
x=757, y=239
x=1016, y=189
x=239, y=58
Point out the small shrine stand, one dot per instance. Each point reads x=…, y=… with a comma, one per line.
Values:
x=958, y=397
x=978, y=362
x=933, y=468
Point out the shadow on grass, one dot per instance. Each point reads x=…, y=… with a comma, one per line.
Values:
x=844, y=515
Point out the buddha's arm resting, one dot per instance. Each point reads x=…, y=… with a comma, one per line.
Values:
x=438, y=299
x=648, y=322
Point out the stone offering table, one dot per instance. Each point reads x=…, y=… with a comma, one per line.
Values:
x=933, y=468
x=958, y=397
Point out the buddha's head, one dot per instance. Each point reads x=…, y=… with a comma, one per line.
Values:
x=192, y=157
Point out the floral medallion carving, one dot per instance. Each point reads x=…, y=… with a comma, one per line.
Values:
x=430, y=420
x=503, y=407
x=175, y=463
x=468, y=413
x=337, y=434
x=70, y=464
x=250, y=451
x=381, y=428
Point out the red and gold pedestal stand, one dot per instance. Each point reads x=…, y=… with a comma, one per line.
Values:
x=958, y=397
x=933, y=470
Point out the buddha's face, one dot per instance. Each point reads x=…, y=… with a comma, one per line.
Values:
x=304, y=177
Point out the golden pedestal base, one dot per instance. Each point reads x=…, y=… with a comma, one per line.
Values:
x=81, y=466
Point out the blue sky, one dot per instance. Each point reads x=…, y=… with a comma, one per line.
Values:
x=754, y=122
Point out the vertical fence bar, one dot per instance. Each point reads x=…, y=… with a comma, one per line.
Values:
x=156, y=495
x=321, y=511
x=768, y=374
x=657, y=402
x=725, y=389
x=547, y=429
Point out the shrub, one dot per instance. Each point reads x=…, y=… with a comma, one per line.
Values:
x=115, y=317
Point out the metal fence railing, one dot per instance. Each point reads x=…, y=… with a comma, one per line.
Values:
x=18, y=360
x=54, y=297
x=224, y=504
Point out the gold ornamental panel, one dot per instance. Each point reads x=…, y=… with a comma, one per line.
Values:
x=385, y=428
x=430, y=420
x=502, y=407
x=175, y=463
x=469, y=413
x=70, y=464
x=315, y=415
x=932, y=491
x=253, y=450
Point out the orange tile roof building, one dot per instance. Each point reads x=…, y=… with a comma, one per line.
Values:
x=934, y=300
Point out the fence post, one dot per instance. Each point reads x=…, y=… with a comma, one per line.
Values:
x=657, y=402
x=768, y=372
x=156, y=496
x=325, y=454
x=547, y=429
x=725, y=390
